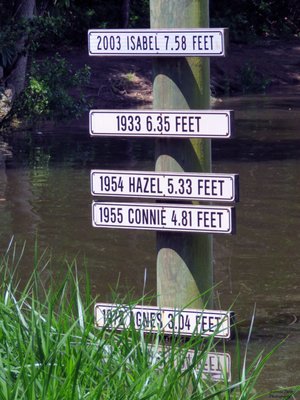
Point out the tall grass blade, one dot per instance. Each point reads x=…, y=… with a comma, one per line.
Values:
x=50, y=349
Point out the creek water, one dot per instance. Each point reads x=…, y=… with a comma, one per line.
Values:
x=45, y=196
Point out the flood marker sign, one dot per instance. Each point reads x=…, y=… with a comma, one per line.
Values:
x=213, y=365
x=164, y=217
x=157, y=42
x=165, y=185
x=162, y=123
x=165, y=320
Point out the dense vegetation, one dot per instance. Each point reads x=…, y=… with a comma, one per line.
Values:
x=28, y=26
x=50, y=349
x=251, y=19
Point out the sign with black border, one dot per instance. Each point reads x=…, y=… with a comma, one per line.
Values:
x=205, y=42
x=164, y=217
x=168, y=321
x=213, y=124
x=165, y=185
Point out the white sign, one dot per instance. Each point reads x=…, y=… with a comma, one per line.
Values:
x=162, y=123
x=216, y=366
x=167, y=320
x=164, y=217
x=157, y=42
x=163, y=185
x=213, y=365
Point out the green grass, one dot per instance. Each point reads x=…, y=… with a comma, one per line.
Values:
x=49, y=349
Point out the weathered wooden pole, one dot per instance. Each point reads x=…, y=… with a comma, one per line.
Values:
x=184, y=260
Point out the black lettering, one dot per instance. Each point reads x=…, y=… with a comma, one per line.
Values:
x=145, y=43
x=198, y=123
x=163, y=217
x=200, y=217
x=205, y=42
x=147, y=216
x=159, y=319
x=132, y=47
x=156, y=43
x=150, y=43
x=146, y=190
x=138, y=319
x=200, y=186
x=206, y=219
x=211, y=324
x=206, y=190
x=181, y=123
x=158, y=187
x=147, y=319
x=130, y=215
x=139, y=187
x=144, y=185
x=213, y=220
x=221, y=182
x=204, y=323
x=199, y=43
x=220, y=218
x=139, y=43
x=188, y=123
x=153, y=185
x=153, y=319
x=177, y=123
x=153, y=216
x=184, y=124
x=214, y=191
x=131, y=184
x=191, y=124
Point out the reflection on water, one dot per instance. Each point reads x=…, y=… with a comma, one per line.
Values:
x=261, y=263
x=45, y=192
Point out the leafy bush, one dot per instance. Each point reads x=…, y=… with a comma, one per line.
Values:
x=80, y=16
x=248, y=19
x=47, y=95
x=251, y=80
x=39, y=32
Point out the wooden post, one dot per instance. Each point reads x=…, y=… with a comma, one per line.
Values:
x=184, y=260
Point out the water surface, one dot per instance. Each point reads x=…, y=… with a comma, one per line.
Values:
x=45, y=195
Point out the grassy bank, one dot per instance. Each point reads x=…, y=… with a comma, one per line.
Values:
x=49, y=349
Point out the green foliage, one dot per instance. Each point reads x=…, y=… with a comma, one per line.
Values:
x=252, y=81
x=49, y=348
x=47, y=94
x=139, y=14
x=39, y=32
x=70, y=20
x=44, y=31
x=248, y=19
x=80, y=16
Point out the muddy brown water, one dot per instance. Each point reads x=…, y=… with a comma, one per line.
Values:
x=45, y=194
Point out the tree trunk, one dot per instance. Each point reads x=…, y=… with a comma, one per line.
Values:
x=125, y=13
x=16, y=80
